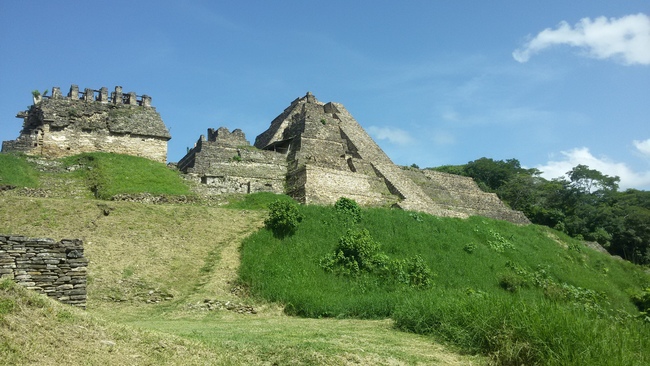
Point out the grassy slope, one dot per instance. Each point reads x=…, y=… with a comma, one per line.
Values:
x=16, y=171
x=111, y=174
x=152, y=264
x=142, y=253
x=37, y=330
x=571, y=305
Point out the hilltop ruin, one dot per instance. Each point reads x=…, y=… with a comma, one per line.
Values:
x=317, y=152
x=91, y=120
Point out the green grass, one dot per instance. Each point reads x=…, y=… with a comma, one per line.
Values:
x=255, y=201
x=15, y=170
x=142, y=252
x=111, y=174
x=521, y=294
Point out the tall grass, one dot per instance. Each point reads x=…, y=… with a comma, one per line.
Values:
x=112, y=174
x=563, y=303
x=255, y=201
x=516, y=330
x=16, y=171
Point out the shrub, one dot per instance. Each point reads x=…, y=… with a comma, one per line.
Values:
x=413, y=272
x=349, y=208
x=498, y=242
x=642, y=300
x=511, y=282
x=356, y=252
x=469, y=248
x=284, y=218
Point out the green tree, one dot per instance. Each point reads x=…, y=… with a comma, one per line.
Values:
x=589, y=181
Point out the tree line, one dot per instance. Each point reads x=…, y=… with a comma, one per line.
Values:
x=585, y=204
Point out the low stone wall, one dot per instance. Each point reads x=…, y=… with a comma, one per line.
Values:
x=56, y=269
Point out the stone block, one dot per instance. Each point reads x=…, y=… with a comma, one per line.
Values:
x=64, y=287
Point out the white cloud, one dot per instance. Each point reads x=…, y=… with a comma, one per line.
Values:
x=393, y=135
x=643, y=146
x=626, y=38
x=582, y=155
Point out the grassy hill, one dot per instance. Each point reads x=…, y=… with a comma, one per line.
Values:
x=520, y=294
x=173, y=283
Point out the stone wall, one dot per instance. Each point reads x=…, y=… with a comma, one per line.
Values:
x=61, y=126
x=225, y=162
x=324, y=186
x=73, y=142
x=56, y=269
x=462, y=194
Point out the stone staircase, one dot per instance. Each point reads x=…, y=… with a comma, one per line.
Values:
x=413, y=197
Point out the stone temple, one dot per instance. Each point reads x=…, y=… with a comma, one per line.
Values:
x=317, y=152
x=91, y=120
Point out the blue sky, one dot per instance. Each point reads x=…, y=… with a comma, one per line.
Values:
x=552, y=84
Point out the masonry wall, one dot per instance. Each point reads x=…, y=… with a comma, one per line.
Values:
x=56, y=269
x=67, y=143
x=462, y=194
x=226, y=163
x=325, y=186
x=61, y=126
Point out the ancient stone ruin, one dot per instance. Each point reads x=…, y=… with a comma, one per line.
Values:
x=56, y=269
x=317, y=152
x=91, y=120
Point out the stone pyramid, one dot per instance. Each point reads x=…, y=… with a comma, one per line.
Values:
x=328, y=155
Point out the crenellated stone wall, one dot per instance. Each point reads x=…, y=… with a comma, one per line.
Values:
x=89, y=121
x=225, y=162
x=56, y=269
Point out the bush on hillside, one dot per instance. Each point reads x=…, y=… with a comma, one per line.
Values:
x=413, y=272
x=357, y=252
x=642, y=302
x=349, y=208
x=284, y=218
